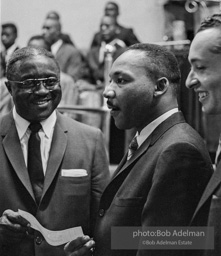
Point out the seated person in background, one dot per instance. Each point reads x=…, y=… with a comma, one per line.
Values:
x=6, y=102
x=109, y=41
x=8, y=38
x=69, y=88
x=65, y=37
x=125, y=34
x=69, y=57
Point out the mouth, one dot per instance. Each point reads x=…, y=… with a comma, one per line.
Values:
x=202, y=95
x=41, y=102
x=114, y=109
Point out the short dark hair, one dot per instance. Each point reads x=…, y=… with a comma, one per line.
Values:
x=40, y=37
x=114, y=4
x=12, y=26
x=25, y=53
x=210, y=22
x=54, y=14
x=161, y=63
x=213, y=21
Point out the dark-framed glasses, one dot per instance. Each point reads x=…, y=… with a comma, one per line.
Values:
x=49, y=83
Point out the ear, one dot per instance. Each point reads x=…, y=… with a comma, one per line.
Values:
x=8, y=87
x=161, y=86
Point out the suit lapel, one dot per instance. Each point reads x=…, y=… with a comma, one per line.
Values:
x=157, y=133
x=58, y=146
x=14, y=153
x=214, y=182
x=125, y=166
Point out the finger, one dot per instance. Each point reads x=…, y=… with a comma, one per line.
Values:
x=30, y=231
x=13, y=221
x=85, y=250
x=77, y=243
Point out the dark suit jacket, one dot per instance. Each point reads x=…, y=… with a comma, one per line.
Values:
x=70, y=60
x=125, y=34
x=66, y=201
x=159, y=186
x=213, y=190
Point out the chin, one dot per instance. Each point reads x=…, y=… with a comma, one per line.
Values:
x=211, y=111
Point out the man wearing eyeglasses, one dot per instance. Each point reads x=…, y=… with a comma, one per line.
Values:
x=60, y=181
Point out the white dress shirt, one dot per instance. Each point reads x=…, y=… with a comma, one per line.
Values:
x=56, y=46
x=45, y=133
x=147, y=130
x=9, y=52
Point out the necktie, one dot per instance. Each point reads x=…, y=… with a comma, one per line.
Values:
x=218, y=152
x=132, y=148
x=35, y=168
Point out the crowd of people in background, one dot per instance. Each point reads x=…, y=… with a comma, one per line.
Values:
x=165, y=179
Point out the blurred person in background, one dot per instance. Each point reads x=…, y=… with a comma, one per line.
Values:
x=65, y=37
x=125, y=34
x=8, y=38
x=69, y=88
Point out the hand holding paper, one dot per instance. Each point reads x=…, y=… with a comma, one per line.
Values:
x=54, y=238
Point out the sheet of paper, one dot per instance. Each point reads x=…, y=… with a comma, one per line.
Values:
x=54, y=238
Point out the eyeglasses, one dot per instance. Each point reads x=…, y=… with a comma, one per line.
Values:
x=49, y=83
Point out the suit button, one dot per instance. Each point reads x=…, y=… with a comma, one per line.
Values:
x=38, y=240
x=101, y=212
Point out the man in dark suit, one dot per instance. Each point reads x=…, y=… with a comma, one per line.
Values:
x=110, y=44
x=65, y=37
x=125, y=34
x=69, y=57
x=72, y=164
x=8, y=37
x=160, y=180
x=205, y=79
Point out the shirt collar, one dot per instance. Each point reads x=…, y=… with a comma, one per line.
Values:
x=22, y=124
x=10, y=50
x=147, y=130
x=56, y=46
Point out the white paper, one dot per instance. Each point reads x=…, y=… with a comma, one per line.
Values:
x=54, y=238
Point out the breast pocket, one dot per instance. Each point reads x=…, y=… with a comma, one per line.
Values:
x=73, y=186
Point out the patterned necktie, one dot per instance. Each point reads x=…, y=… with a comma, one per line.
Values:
x=132, y=148
x=35, y=168
x=218, y=153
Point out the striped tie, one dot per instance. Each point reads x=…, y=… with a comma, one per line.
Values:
x=132, y=148
x=218, y=153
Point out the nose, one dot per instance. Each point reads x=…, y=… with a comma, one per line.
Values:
x=40, y=88
x=191, y=81
x=109, y=93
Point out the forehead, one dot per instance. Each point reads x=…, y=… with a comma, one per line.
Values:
x=204, y=42
x=37, y=43
x=111, y=7
x=7, y=30
x=36, y=64
x=132, y=61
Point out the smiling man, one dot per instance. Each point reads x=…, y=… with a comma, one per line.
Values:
x=160, y=180
x=205, y=79
x=61, y=183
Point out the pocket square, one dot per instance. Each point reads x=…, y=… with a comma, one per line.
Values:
x=73, y=172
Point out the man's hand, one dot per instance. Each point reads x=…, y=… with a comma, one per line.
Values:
x=82, y=246
x=12, y=226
